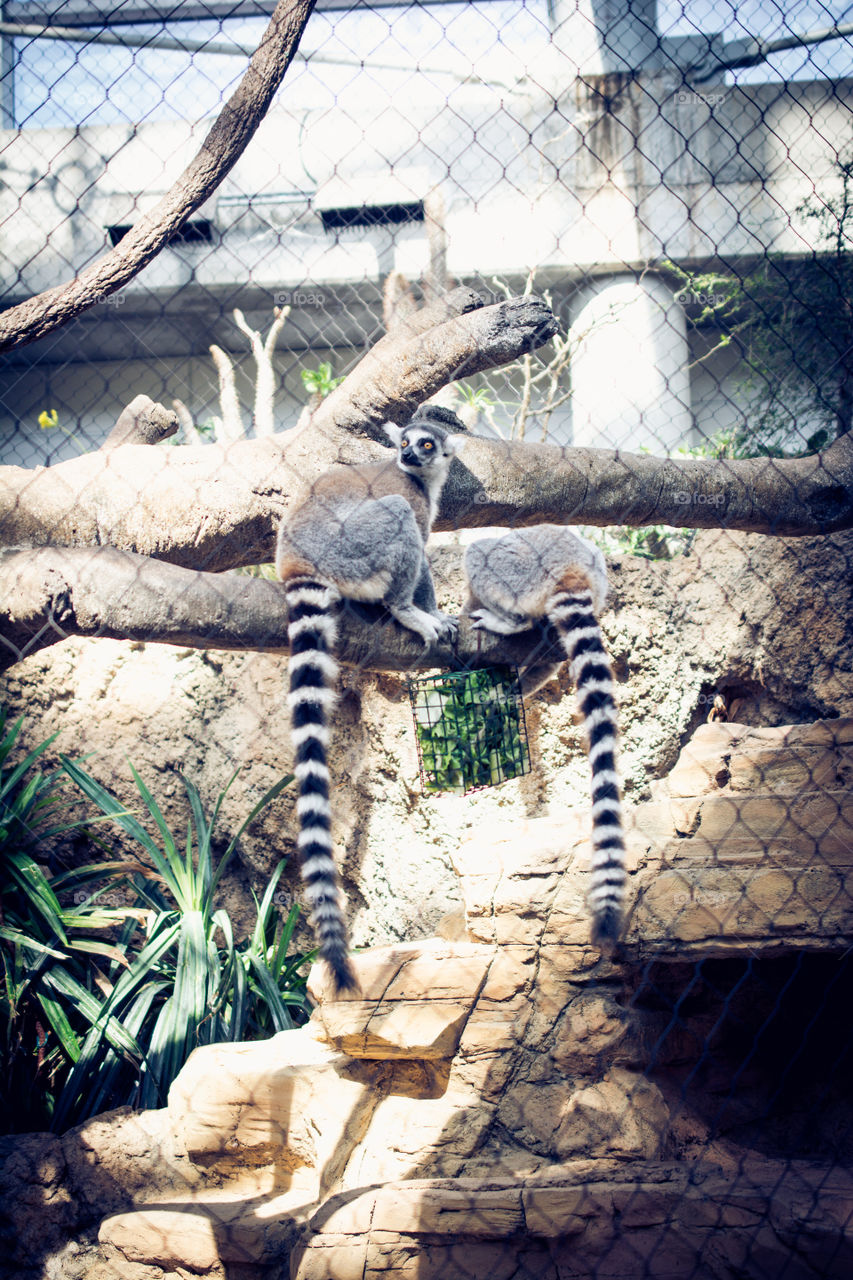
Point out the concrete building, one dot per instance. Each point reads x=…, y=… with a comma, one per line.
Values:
x=616, y=152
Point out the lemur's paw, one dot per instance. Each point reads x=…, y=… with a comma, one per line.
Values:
x=485, y=620
x=428, y=629
x=448, y=626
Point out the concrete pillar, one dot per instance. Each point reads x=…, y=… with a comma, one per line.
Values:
x=629, y=367
x=7, y=81
x=600, y=37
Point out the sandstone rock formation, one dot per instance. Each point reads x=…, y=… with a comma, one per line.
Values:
x=505, y=1103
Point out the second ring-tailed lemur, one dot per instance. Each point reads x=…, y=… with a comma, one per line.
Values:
x=359, y=536
x=546, y=571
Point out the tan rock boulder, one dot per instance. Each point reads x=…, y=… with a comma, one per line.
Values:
x=127, y=1156
x=413, y=1001
x=762, y=861
x=588, y=1218
x=38, y=1210
x=620, y=1114
x=287, y=1104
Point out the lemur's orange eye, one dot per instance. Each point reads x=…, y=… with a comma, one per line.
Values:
x=404, y=444
x=428, y=444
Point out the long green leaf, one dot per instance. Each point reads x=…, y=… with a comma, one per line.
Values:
x=285, y=938
x=265, y=799
x=163, y=939
x=25, y=799
x=134, y=1021
x=108, y=804
x=222, y=921
x=259, y=933
x=10, y=781
x=278, y=1011
x=231, y=1003
x=239, y=1003
x=91, y=946
x=24, y=940
x=9, y=738
x=114, y=871
x=176, y=880
x=65, y=1033
x=177, y=1024
x=92, y=1009
x=203, y=833
x=34, y=884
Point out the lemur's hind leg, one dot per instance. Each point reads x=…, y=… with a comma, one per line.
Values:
x=424, y=598
x=408, y=573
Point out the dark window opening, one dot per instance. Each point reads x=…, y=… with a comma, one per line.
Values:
x=198, y=232
x=372, y=215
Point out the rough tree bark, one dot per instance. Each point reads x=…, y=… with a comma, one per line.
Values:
x=56, y=592
x=131, y=540
x=225, y=143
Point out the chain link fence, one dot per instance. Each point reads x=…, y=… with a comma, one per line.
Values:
x=673, y=182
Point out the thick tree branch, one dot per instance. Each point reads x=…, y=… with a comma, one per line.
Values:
x=451, y=339
x=212, y=508
x=512, y=483
x=56, y=592
x=217, y=506
x=225, y=143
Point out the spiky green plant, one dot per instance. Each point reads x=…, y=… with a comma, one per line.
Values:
x=189, y=984
x=96, y=1021
x=44, y=950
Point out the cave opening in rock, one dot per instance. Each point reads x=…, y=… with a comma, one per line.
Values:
x=758, y=1052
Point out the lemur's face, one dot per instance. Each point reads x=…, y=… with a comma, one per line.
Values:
x=420, y=447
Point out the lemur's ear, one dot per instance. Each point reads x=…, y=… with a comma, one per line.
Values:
x=394, y=433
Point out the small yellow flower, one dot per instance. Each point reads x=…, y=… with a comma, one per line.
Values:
x=48, y=419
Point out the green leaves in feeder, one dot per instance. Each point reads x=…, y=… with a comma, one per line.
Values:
x=470, y=729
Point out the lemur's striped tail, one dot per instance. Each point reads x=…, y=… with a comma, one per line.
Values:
x=571, y=612
x=313, y=671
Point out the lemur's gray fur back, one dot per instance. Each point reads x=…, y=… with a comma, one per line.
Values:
x=547, y=571
x=359, y=536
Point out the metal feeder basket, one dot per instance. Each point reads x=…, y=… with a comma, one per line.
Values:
x=470, y=729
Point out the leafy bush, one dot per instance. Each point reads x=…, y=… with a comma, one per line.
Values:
x=791, y=326
x=89, y=1023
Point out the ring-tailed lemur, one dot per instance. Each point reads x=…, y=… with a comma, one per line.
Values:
x=359, y=536
x=547, y=571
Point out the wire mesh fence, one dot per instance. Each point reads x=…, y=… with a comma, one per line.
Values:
x=610, y=245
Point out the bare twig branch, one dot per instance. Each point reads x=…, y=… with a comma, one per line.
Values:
x=192, y=435
x=263, y=351
x=398, y=302
x=435, y=279
x=231, y=426
x=408, y=366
